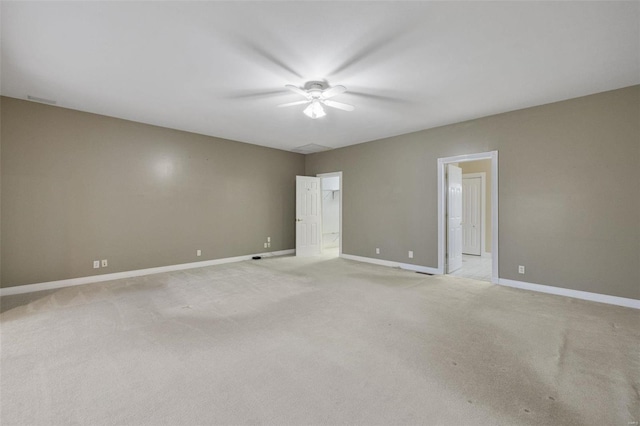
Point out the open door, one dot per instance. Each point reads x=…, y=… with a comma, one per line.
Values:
x=454, y=215
x=308, y=216
x=472, y=215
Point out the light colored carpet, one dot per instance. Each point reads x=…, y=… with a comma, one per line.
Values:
x=314, y=341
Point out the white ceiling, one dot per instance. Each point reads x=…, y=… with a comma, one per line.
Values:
x=219, y=68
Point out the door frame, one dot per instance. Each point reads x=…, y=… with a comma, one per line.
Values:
x=483, y=207
x=339, y=175
x=453, y=221
x=442, y=206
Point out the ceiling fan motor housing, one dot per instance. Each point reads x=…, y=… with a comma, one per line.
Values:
x=315, y=85
x=315, y=88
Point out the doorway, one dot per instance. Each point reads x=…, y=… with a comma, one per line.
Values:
x=331, y=207
x=468, y=216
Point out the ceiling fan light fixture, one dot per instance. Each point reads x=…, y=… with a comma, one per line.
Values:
x=314, y=110
x=317, y=94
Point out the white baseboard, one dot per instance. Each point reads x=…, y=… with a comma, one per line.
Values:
x=576, y=294
x=28, y=288
x=390, y=263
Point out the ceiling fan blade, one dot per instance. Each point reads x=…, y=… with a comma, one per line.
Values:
x=332, y=91
x=293, y=103
x=297, y=90
x=339, y=105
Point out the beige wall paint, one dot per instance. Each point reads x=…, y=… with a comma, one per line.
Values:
x=569, y=191
x=482, y=166
x=78, y=187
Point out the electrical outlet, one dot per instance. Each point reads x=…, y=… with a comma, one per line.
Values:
x=377, y=250
x=268, y=239
x=198, y=252
x=96, y=264
x=520, y=269
x=268, y=245
x=265, y=245
x=104, y=263
x=410, y=254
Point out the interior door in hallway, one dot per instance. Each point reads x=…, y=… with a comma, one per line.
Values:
x=454, y=218
x=471, y=215
x=308, y=216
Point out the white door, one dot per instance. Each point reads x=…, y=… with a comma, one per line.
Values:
x=454, y=221
x=308, y=216
x=471, y=215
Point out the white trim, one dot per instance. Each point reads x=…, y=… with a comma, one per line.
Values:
x=576, y=294
x=392, y=264
x=483, y=205
x=494, y=217
x=493, y=156
x=338, y=174
x=28, y=288
x=559, y=291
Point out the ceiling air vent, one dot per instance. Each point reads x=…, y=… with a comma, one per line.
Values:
x=41, y=100
x=311, y=148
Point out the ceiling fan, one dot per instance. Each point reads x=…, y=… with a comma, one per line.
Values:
x=317, y=93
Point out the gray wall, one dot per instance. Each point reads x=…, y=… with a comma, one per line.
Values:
x=569, y=191
x=78, y=187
